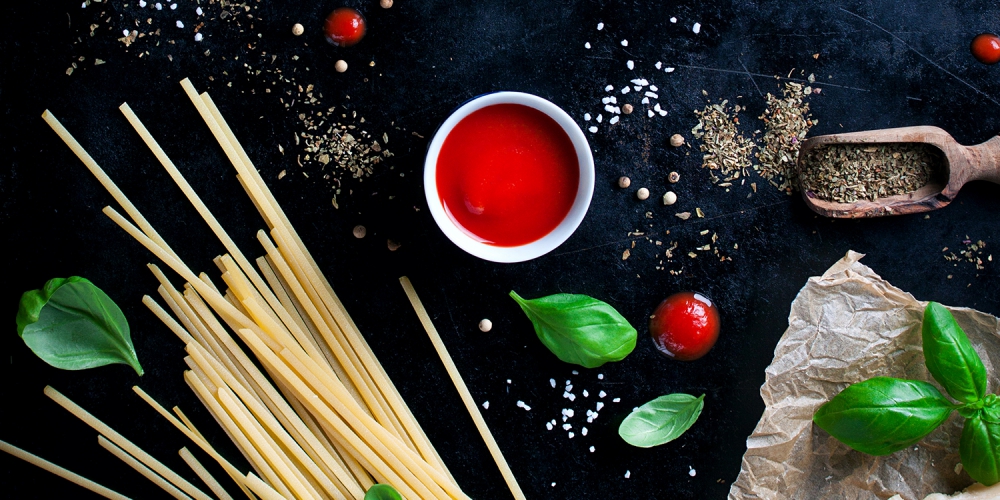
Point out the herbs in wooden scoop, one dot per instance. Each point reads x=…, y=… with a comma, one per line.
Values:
x=661, y=420
x=382, y=492
x=884, y=415
x=73, y=325
x=579, y=329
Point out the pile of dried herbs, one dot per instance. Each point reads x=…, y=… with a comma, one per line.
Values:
x=725, y=148
x=787, y=122
x=847, y=173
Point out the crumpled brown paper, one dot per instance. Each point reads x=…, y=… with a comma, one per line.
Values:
x=844, y=327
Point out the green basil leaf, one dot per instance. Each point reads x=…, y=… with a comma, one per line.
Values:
x=883, y=415
x=382, y=492
x=980, y=449
x=661, y=420
x=579, y=329
x=73, y=325
x=950, y=357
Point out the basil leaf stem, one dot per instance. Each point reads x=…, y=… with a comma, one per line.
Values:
x=950, y=357
x=661, y=420
x=73, y=325
x=883, y=415
x=579, y=329
x=979, y=449
x=382, y=492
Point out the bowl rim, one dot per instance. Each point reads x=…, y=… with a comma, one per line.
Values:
x=543, y=245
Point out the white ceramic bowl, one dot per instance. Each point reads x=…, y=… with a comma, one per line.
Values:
x=539, y=247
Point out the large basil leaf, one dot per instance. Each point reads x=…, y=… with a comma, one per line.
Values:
x=73, y=325
x=661, y=420
x=950, y=357
x=579, y=329
x=382, y=492
x=980, y=449
x=883, y=415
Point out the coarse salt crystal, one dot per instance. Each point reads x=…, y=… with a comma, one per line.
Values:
x=125, y=32
x=669, y=70
x=571, y=435
x=635, y=409
x=83, y=5
x=645, y=100
x=657, y=107
x=586, y=45
x=696, y=28
x=599, y=405
x=173, y=6
x=142, y=3
x=653, y=88
x=585, y=393
x=565, y=418
x=652, y=94
x=548, y=425
x=650, y=113
x=602, y=394
x=198, y=37
x=659, y=64
x=628, y=474
x=691, y=471
x=553, y=484
x=508, y=381
x=600, y=376
x=625, y=90
x=572, y=397
x=567, y=427
x=630, y=64
x=609, y=108
x=553, y=422
x=568, y=382
x=583, y=432
x=612, y=121
x=574, y=372
x=180, y=24
x=486, y=405
x=520, y=404
x=673, y=19
x=199, y=11
x=600, y=26
x=592, y=130
x=616, y=400
x=609, y=88
x=662, y=112
x=592, y=449
x=624, y=43
x=552, y=381
x=605, y=100
x=569, y=412
x=613, y=100
x=637, y=88
x=600, y=118
x=158, y=6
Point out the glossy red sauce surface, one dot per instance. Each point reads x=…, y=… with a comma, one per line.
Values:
x=507, y=174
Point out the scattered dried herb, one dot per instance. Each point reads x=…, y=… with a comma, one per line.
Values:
x=847, y=173
x=972, y=253
x=725, y=148
x=787, y=121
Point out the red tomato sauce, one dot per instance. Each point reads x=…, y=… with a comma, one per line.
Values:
x=507, y=174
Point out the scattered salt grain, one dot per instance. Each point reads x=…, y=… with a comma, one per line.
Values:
x=650, y=113
x=173, y=6
x=602, y=394
x=609, y=108
x=520, y=404
x=574, y=372
x=696, y=28
x=630, y=64
x=552, y=381
x=600, y=376
x=583, y=432
x=599, y=406
x=158, y=6
x=613, y=100
x=508, y=381
x=673, y=19
x=637, y=88
x=668, y=70
x=657, y=107
x=662, y=112
x=609, y=88
x=199, y=11
x=624, y=43
x=654, y=95
x=567, y=427
x=571, y=435
x=592, y=449
x=645, y=100
x=616, y=400
x=691, y=471
x=548, y=425
x=653, y=88
x=586, y=45
x=553, y=484
x=198, y=37
x=592, y=130
x=585, y=393
x=605, y=100
x=180, y=24
x=586, y=118
x=625, y=90
x=612, y=121
x=628, y=474
x=572, y=397
x=659, y=65
x=486, y=405
x=569, y=412
x=600, y=26
x=569, y=387
x=600, y=118
x=142, y=3
x=640, y=81
x=125, y=32
x=83, y=5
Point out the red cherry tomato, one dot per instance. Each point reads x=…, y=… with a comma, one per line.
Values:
x=685, y=326
x=986, y=48
x=344, y=27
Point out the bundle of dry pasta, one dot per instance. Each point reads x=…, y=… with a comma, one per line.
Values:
x=322, y=420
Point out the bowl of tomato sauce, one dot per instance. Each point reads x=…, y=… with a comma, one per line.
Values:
x=508, y=176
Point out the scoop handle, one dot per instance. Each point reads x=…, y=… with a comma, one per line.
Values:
x=984, y=161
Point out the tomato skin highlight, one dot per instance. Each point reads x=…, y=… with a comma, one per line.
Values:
x=985, y=48
x=685, y=326
x=344, y=27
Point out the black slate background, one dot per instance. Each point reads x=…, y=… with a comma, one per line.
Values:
x=881, y=64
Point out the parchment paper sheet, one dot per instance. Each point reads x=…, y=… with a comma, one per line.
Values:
x=844, y=327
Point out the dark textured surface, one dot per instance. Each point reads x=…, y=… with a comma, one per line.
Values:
x=881, y=64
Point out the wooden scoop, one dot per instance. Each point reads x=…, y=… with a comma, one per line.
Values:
x=961, y=164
